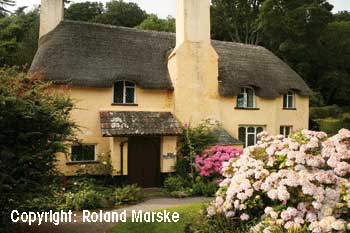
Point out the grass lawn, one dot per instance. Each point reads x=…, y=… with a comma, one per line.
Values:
x=188, y=214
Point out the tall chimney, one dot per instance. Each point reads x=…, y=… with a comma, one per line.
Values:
x=193, y=21
x=193, y=64
x=51, y=14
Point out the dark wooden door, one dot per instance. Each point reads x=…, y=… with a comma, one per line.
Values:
x=144, y=161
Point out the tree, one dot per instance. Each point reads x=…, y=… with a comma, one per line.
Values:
x=153, y=23
x=19, y=38
x=335, y=81
x=292, y=29
x=35, y=125
x=85, y=11
x=236, y=20
x=3, y=6
x=342, y=16
x=120, y=13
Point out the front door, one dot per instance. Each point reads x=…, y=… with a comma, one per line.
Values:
x=144, y=161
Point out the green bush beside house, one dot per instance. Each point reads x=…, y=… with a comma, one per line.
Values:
x=330, y=119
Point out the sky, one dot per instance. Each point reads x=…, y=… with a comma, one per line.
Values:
x=163, y=8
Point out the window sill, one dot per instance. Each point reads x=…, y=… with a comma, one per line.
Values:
x=116, y=104
x=290, y=109
x=82, y=162
x=238, y=108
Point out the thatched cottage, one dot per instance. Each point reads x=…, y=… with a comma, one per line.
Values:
x=134, y=88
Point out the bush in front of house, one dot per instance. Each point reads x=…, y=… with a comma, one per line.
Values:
x=34, y=125
x=83, y=199
x=210, y=161
x=193, y=142
x=128, y=194
x=300, y=183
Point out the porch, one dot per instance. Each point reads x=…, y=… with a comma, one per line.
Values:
x=142, y=144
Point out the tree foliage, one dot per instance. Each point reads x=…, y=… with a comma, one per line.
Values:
x=121, y=13
x=3, y=6
x=153, y=23
x=84, y=11
x=236, y=20
x=34, y=123
x=19, y=37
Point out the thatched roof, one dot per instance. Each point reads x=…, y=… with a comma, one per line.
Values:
x=138, y=123
x=86, y=54
x=246, y=65
x=224, y=138
x=95, y=55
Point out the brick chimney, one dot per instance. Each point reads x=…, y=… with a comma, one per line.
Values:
x=51, y=14
x=193, y=65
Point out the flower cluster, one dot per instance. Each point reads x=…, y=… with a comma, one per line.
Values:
x=211, y=160
x=296, y=182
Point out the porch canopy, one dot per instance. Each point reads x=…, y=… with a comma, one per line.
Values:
x=128, y=123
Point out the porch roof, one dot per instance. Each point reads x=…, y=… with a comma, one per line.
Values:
x=224, y=138
x=128, y=123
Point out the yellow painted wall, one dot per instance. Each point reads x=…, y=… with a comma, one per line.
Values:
x=271, y=115
x=168, y=146
x=89, y=102
x=193, y=68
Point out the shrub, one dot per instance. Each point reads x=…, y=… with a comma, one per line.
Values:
x=128, y=194
x=204, y=188
x=210, y=161
x=299, y=182
x=194, y=141
x=325, y=112
x=84, y=199
x=175, y=183
x=34, y=125
x=333, y=125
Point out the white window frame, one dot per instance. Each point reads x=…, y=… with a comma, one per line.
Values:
x=83, y=144
x=250, y=133
x=245, y=97
x=289, y=94
x=285, y=130
x=125, y=86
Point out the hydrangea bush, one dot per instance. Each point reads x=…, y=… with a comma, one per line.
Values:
x=210, y=161
x=300, y=182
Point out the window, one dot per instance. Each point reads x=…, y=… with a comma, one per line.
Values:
x=124, y=92
x=285, y=130
x=246, y=99
x=83, y=152
x=248, y=134
x=288, y=100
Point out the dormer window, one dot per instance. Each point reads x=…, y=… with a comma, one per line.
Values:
x=246, y=99
x=289, y=100
x=124, y=92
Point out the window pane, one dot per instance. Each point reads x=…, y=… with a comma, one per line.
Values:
x=241, y=134
x=285, y=97
x=287, y=131
x=251, y=130
x=129, y=84
x=282, y=130
x=83, y=152
x=259, y=130
x=290, y=101
x=130, y=95
x=250, y=98
x=251, y=139
x=240, y=101
x=118, y=92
